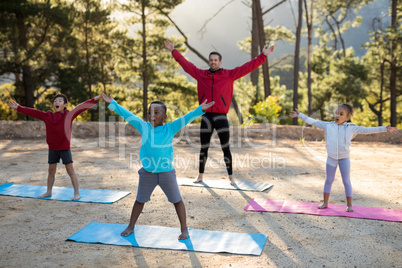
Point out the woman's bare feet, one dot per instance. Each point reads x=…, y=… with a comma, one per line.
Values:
x=47, y=194
x=323, y=205
x=198, y=179
x=128, y=231
x=76, y=197
x=184, y=234
x=349, y=209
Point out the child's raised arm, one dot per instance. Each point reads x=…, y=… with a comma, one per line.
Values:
x=32, y=112
x=308, y=120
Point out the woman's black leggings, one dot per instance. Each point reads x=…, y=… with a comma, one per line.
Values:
x=209, y=122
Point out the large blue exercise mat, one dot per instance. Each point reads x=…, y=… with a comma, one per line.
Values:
x=147, y=236
x=62, y=193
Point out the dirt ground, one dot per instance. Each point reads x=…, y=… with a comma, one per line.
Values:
x=33, y=232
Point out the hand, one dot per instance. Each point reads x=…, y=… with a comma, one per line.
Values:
x=392, y=130
x=106, y=98
x=294, y=113
x=97, y=97
x=169, y=45
x=13, y=104
x=266, y=51
x=205, y=106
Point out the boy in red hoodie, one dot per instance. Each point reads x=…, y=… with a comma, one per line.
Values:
x=58, y=135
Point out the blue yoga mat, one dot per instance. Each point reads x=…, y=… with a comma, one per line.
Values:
x=62, y=193
x=224, y=184
x=147, y=236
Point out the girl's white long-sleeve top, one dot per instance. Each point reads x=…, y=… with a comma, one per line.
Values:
x=339, y=137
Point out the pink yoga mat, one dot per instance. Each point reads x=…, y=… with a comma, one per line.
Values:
x=332, y=210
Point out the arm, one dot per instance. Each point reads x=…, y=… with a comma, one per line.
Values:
x=250, y=66
x=187, y=66
x=371, y=130
x=82, y=107
x=188, y=118
x=26, y=110
x=308, y=120
x=128, y=116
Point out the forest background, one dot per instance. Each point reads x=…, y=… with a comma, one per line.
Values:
x=327, y=52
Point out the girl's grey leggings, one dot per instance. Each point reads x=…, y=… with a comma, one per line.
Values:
x=344, y=167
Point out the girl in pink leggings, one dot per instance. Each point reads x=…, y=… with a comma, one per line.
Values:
x=338, y=137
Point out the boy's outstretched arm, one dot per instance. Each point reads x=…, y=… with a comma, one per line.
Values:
x=82, y=107
x=32, y=112
x=131, y=118
x=179, y=123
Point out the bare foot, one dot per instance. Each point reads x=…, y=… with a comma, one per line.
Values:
x=232, y=182
x=47, y=194
x=128, y=231
x=198, y=179
x=349, y=209
x=76, y=197
x=323, y=205
x=183, y=235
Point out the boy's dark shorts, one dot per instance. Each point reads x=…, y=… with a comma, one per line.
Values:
x=65, y=155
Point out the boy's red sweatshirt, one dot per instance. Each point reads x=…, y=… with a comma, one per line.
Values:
x=58, y=125
x=217, y=86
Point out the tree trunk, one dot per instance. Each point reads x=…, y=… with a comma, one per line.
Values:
x=27, y=80
x=145, y=77
x=392, y=79
x=261, y=37
x=236, y=107
x=88, y=72
x=381, y=91
x=309, y=21
x=254, y=75
x=296, y=61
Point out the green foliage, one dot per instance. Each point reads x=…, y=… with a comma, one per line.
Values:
x=266, y=111
x=6, y=93
x=272, y=34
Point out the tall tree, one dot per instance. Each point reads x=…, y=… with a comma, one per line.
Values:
x=393, y=62
x=309, y=23
x=30, y=30
x=296, y=58
x=385, y=53
x=95, y=36
x=146, y=16
x=261, y=39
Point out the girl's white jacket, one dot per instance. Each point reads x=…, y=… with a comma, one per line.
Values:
x=339, y=137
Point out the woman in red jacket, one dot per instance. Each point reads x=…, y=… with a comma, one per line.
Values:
x=216, y=84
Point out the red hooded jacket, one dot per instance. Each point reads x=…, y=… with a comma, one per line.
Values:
x=58, y=125
x=218, y=85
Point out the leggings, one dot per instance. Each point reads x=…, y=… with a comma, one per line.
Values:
x=209, y=122
x=344, y=167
